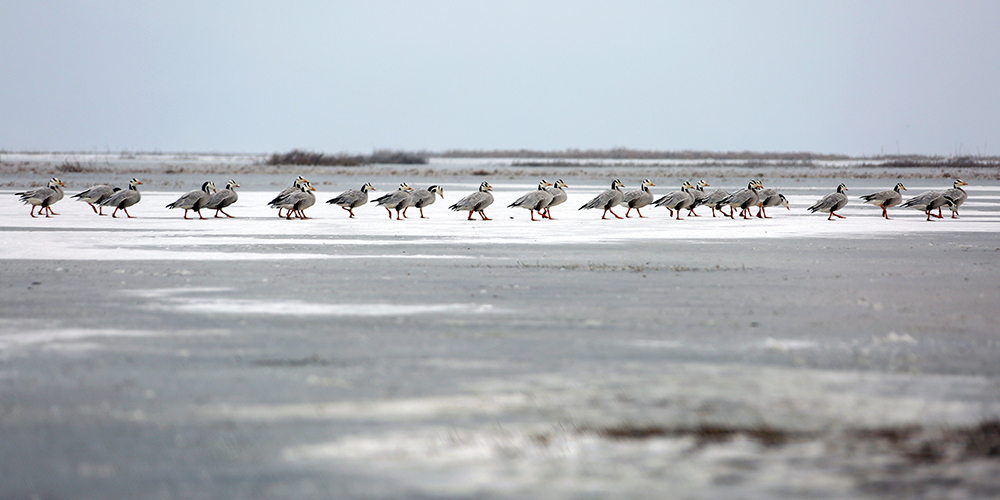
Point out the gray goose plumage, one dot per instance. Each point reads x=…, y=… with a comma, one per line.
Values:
x=476, y=202
x=927, y=202
x=124, y=198
x=297, y=202
x=535, y=201
x=43, y=197
x=677, y=200
x=353, y=198
x=295, y=188
x=742, y=199
x=714, y=201
x=195, y=200
x=559, y=197
x=638, y=198
x=831, y=203
x=399, y=200
x=769, y=197
x=425, y=197
x=223, y=198
x=699, y=196
x=957, y=196
x=94, y=195
x=607, y=199
x=886, y=199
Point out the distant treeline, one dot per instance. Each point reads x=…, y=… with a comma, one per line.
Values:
x=386, y=156
x=637, y=154
x=301, y=157
x=933, y=161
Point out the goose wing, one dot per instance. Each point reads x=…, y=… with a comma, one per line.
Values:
x=475, y=202
x=221, y=199
x=95, y=194
x=607, y=199
x=829, y=203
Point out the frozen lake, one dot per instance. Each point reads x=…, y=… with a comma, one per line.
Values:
x=792, y=357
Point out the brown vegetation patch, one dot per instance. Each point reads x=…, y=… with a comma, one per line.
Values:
x=313, y=360
x=703, y=434
x=915, y=444
x=309, y=158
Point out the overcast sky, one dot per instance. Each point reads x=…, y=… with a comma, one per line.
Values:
x=860, y=78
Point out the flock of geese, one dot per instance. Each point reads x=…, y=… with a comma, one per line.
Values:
x=295, y=199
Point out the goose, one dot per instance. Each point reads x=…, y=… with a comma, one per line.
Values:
x=831, y=203
x=742, y=198
x=699, y=196
x=95, y=195
x=353, y=198
x=425, y=197
x=476, y=202
x=195, y=200
x=957, y=196
x=677, y=200
x=296, y=202
x=43, y=197
x=607, y=199
x=714, y=201
x=769, y=197
x=124, y=198
x=224, y=198
x=886, y=199
x=558, y=197
x=638, y=198
x=399, y=200
x=535, y=201
x=927, y=202
x=295, y=188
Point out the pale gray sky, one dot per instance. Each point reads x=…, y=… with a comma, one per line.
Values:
x=859, y=78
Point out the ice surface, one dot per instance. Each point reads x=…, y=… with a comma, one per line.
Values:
x=158, y=357
x=258, y=234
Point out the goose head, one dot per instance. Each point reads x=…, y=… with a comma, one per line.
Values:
x=783, y=201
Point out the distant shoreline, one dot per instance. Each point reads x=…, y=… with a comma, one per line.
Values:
x=765, y=166
x=620, y=154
